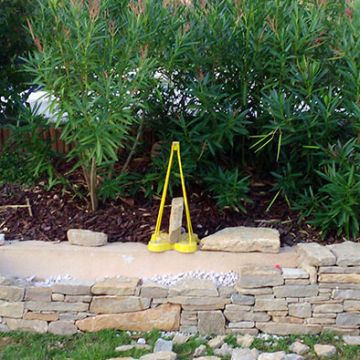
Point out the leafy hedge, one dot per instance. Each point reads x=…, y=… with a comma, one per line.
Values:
x=248, y=87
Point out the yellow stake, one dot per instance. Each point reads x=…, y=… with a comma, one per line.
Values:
x=159, y=241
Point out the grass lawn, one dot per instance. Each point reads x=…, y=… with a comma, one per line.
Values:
x=101, y=345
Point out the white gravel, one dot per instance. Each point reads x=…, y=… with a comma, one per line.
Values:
x=219, y=279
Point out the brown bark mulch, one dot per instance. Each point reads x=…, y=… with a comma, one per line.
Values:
x=56, y=211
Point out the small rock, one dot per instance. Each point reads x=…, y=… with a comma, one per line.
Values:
x=161, y=355
x=299, y=348
x=294, y=357
x=244, y=354
x=180, y=339
x=86, y=237
x=141, y=341
x=216, y=342
x=279, y=355
x=324, y=350
x=162, y=345
x=199, y=351
x=351, y=340
x=225, y=350
x=123, y=348
x=245, y=341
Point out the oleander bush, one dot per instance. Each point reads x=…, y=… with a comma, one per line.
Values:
x=249, y=88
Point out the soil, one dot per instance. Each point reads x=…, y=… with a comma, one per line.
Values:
x=127, y=219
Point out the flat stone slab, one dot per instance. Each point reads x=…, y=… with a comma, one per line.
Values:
x=116, y=286
x=194, y=287
x=347, y=253
x=86, y=237
x=259, y=276
x=243, y=239
x=315, y=254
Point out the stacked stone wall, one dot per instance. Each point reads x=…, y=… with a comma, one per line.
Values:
x=321, y=294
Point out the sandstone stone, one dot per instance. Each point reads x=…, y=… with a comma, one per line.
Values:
x=57, y=297
x=292, y=300
x=245, y=341
x=180, y=339
x=237, y=331
x=346, y=286
x=194, y=288
x=324, y=350
x=211, y=322
x=237, y=307
x=279, y=355
x=316, y=255
x=340, y=278
x=226, y=291
x=216, y=342
x=162, y=355
x=288, y=329
x=11, y=309
x=300, y=310
x=242, y=299
x=55, y=306
x=270, y=304
x=278, y=313
x=38, y=326
x=72, y=287
x=244, y=354
x=294, y=273
x=347, y=253
x=153, y=290
x=189, y=318
x=164, y=317
x=352, y=340
x=78, y=298
x=118, y=304
x=50, y=316
x=299, y=348
x=236, y=316
x=86, y=237
x=163, y=345
x=346, y=294
x=241, y=325
x=62, y=327
x=324, y=315
x=116, y=286
x=256, y=292
x=340, y=331
x=11, y=293
x=175, y=220
x=259, y=276
x=199, y=303
x=73, y=316
x=322, y=321
x=296, y=291
x=348, y=319
x=312, y=271
x=35, y=293
x=352, y=305
x=243, y=239
x=339, y=270
x=287, y=319
x=328, y=308
x=297, y=282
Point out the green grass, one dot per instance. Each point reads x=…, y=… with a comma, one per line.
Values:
x=101, y=345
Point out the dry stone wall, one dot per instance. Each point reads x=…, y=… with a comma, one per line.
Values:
x=322, y=294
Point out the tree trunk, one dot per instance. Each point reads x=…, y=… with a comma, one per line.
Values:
x=90, y=178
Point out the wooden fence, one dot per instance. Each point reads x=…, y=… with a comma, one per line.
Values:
x=52, y=134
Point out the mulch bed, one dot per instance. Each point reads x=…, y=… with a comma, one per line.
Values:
x=125, y=220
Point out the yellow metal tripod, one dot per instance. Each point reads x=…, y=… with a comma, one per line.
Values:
x=160, y=241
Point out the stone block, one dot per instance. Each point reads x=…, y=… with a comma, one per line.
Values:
x=352, y=340
x=164, y=317
x=270, y=305
x=297, y=282
x=300, y=310
x=199, y=303
x=211, y=322
x=324, y=350
x=62, y=327
x=35, y=293
x=118, y=304
x=328, y=308
x=288, y=329
x=116, y=286
x=347, y=253
x=294, y=273
x=175, y=221
x=243, y=239
x=78, y=298
x=346, y=294
x=295, y=291
x=255, y=292
x=241, y=325
x=72, y=287
x=153, y=290
x=339, y=270
x=242, y=299
x=236, y=316
x=11, y=309
x=340, y=278
x=348, y=319
x=251, y=276
x=46, y=316
x=287, y=319
x=38, y=326
x=315, y=255
x=11, y=293
x=194, y=288
x=312, y=271
x=82, y=237
x=55, y=306
x=352, y=305
x=236, y=307
x=58, y=297
x=226, y=291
